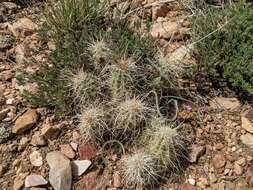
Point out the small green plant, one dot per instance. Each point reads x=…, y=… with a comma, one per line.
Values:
x=140, y=170
x=224, y=43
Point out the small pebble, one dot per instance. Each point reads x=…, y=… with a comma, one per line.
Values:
x=192, y=181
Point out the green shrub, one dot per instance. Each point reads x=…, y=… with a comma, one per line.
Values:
x=224, y=42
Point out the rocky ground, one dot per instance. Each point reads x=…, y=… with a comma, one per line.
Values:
x=32, y=146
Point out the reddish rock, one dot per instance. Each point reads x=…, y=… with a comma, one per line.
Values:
x=188, y=186
x=94, y=180
x=87, y=151
x=218, y=161
x=196, y=151
x=90, y=180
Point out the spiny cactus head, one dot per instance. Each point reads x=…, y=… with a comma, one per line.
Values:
x=85, y=86
x=130, y=113
x=130, y=118
x=140, y=170
x=166, y=145
x=92, y=123
x=126, y=64
x=100, y=53
x=132, y=106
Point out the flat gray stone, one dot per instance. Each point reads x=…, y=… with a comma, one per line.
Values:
x=60, y=173
x=34, y=180
x=80, y=166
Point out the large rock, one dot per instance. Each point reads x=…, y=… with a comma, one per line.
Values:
x=247, y=139
x=23, y=26
x=60, y=174
x=246, y=124
x=167, y=30
x=225, y=103
x=181, y=55
x=34, y=181
x=25, y=122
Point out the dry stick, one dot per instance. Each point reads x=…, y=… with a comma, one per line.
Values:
x=158, y=108
x=222, y=26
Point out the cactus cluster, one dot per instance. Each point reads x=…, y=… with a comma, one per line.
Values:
x=106, y=75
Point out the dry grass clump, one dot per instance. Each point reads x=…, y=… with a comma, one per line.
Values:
x=140, y=170
x=166, y=145
x=93, y=123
